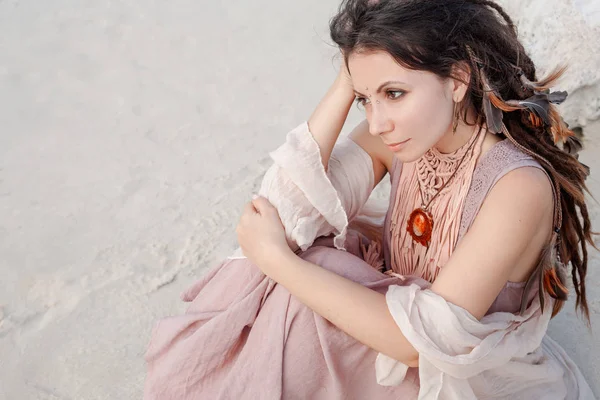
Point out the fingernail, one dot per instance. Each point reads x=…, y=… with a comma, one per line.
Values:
x=254, y=196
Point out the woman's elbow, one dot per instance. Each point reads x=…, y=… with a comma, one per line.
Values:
x=411, y=359
x=414, y=363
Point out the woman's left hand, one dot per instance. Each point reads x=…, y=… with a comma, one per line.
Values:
x=261, y=234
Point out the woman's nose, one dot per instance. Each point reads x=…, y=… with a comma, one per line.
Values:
x=379, y=122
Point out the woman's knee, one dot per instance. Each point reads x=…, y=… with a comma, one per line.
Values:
x=342, y=263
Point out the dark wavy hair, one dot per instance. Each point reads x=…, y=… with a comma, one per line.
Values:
x=435, y=36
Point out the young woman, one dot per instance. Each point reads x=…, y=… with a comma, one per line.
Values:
x=482, y=221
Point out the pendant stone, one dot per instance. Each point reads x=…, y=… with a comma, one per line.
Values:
x=420, y=226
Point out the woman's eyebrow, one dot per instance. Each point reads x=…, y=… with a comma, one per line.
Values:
x=382, y=86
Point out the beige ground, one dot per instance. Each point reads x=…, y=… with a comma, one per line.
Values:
x=131, y=135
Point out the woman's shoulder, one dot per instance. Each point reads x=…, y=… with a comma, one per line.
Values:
x=512, y=171
x=372, y=145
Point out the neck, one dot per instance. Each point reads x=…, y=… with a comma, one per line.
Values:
x=451, y=142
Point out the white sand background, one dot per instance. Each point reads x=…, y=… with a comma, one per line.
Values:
x=131, y=135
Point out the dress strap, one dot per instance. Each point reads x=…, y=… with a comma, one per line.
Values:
x=501, y=159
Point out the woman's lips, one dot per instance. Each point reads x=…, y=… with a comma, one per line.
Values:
x=397, y=146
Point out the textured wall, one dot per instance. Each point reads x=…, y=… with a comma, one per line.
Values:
x=564, y=31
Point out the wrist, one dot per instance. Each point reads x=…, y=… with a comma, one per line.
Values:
x=279, y=263
x=343, y=84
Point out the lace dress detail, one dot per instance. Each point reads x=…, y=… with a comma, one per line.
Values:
x=430, y=172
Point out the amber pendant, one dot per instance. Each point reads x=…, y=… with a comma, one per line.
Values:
x=420, y=226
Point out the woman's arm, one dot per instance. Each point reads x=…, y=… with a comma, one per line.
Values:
x=503, y=244
x=381, y=156
x=359, y=311
x=506, y=238
x=313, y=168
x=328, y=118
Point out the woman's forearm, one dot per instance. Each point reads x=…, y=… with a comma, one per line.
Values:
x=359, y=311
x=327, y=120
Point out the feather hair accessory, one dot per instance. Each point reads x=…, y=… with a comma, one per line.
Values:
x=540, y=106
x=550, y=270
x=493, y=115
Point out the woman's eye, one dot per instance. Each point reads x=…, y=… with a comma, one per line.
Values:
x=361, y=101
x=394, y=94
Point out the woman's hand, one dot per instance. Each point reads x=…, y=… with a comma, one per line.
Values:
x=343, y=75
x=261, y=234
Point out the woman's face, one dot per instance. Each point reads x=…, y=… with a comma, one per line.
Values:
x=402, y=105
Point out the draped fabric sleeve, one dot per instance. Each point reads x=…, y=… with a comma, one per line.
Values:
x=312, y=201
x=503, y=355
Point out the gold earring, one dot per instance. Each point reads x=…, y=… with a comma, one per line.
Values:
x=455, y=114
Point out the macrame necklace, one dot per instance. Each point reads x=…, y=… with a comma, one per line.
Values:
x=420, y=222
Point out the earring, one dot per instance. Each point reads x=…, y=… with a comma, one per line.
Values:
x=455, y=115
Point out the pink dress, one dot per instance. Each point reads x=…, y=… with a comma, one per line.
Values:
x=245, y=337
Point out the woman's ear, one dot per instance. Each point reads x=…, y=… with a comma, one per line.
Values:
x=461, y=78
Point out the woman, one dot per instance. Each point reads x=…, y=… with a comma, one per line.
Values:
x=481, y=224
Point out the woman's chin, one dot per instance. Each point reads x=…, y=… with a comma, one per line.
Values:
x=407, y=156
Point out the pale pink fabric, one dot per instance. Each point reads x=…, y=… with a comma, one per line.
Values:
x=312, y=202
x=245, y=337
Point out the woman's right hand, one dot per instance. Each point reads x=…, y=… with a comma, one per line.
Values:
x=343, y=74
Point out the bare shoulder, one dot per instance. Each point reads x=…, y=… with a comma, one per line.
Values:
x=527, y=183
x=382, y=156
x=524, y=197
x=526, y=191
